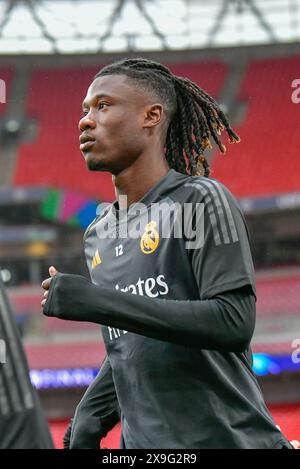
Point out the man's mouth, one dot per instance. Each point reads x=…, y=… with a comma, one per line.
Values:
x=86, y=145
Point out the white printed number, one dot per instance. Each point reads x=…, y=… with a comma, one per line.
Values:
x=119, y=250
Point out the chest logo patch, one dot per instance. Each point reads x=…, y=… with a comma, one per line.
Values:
x=150, y=238
x=96, y=259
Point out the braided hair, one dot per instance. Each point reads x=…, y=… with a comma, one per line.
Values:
x=193, y=116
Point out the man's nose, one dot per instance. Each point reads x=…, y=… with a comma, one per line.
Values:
x=86, y=122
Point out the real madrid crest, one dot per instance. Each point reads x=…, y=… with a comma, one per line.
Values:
x=150, y=238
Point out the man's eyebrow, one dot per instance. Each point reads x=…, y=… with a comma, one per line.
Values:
x=95, y=98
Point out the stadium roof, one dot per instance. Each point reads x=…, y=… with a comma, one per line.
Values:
x=77, y=26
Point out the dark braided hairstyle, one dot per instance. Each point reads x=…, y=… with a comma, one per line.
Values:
x=192, y=115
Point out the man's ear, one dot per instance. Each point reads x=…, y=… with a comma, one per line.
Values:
x=152, y=115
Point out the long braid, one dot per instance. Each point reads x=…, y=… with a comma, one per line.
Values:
x=195, y=117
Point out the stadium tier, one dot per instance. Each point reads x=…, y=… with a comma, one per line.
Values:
x=210, y=74
x=266, y=162
x=52, y=326
x=66, y=355
x=54, y=102
x=278, y=295
x=53, y=159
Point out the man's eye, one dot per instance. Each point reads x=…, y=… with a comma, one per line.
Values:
x=85, y=113
x=101, y=105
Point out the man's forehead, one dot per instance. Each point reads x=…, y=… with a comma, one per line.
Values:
x=118, y=86
x=114, y=85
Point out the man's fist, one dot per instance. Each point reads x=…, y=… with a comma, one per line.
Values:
x=46, y=283
x=67, y=296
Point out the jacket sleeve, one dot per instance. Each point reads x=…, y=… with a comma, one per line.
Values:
x=221, y=260
x=224, y=322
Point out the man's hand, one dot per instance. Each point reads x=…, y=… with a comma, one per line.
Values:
x=67, y=296
x=46, y=283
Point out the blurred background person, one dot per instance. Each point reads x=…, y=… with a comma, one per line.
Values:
x=22, y=422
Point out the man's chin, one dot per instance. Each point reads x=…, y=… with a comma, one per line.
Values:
x=95, y=164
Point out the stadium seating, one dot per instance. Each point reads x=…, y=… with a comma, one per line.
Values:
x=53, y=326
x=266, y=162
x=278, y=296
x=54, y=159
x=66, y=355
x=267, y=130
x=54, y=100
x=209, y=75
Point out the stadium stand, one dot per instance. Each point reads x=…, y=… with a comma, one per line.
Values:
x=54, y=159
x=267, y=132
x=54, y=100
x=66, y=355
x=277, y=296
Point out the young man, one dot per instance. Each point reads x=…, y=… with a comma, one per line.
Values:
x=177, y=318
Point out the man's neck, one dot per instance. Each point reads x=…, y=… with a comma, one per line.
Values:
x=135, y=182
